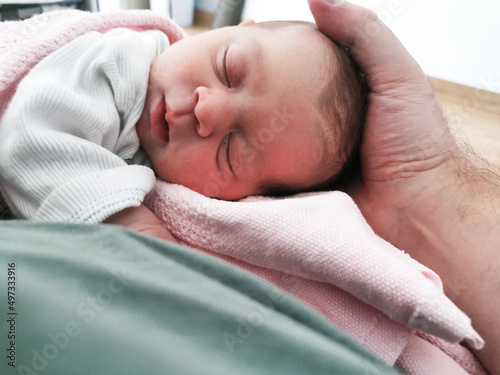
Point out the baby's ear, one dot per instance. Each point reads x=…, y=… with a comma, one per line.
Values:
x=247, y=22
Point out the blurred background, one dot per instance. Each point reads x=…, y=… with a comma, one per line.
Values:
x=452, y=40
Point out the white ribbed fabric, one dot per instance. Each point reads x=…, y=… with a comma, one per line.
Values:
x=70, y=127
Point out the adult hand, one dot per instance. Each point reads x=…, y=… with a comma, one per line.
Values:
x=406, y=140
x=419, y=190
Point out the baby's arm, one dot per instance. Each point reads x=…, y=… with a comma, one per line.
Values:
x=141, y=219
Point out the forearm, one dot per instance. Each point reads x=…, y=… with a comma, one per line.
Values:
x=456, y=233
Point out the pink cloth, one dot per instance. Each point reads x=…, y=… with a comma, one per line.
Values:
x=422, y=357
x=318, y=247
x=459, y=353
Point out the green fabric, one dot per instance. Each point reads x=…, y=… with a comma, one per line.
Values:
x=105, y=300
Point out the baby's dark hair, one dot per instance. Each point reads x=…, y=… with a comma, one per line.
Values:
x=343, y=104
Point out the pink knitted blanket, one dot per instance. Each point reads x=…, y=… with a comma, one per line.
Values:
x=318, y=247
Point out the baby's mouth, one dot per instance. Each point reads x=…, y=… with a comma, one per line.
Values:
x=159, y=124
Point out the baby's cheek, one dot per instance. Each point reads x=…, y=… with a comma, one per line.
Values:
x=183, y=168
x=161, y=168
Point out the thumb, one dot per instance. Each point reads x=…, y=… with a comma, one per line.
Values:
x=375, y=48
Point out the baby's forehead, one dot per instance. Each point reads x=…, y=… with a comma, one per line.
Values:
x=319, y=61
x=309, y=44
x=303, y=34
x=295, y=37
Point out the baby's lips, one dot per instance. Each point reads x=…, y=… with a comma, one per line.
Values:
x=168, y=111
x=159, y=124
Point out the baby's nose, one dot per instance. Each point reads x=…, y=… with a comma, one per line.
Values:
x=213, y=110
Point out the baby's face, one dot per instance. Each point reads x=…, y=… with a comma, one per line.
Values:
x=232, y=111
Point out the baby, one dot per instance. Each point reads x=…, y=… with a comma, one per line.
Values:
x=263, y=108
x=248, y=110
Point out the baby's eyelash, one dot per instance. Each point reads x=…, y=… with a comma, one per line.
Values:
x=228, y=153
x=225, y=68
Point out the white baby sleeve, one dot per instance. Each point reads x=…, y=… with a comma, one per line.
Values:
x=71, y=125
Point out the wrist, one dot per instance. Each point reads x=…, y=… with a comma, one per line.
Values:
x=455, y=233
x=438, y=215
x=455, y=199
x=126, y=216
x=141, y=219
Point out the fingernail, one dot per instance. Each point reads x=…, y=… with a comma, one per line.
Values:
x=335, y=2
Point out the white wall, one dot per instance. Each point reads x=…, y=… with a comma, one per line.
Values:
x=455, y=40
x=267, y=10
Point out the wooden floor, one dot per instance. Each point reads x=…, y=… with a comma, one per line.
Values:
x=474, y=115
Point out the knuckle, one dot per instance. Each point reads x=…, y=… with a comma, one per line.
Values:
x=368, y=16
x=369, y=26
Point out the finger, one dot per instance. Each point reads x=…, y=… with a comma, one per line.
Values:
x=375, y=48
